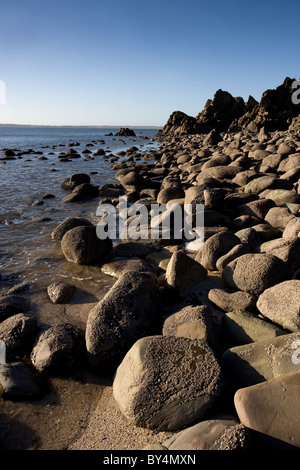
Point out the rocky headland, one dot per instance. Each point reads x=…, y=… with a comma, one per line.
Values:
x=202, y=343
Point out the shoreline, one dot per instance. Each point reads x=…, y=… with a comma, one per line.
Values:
x=222, y=171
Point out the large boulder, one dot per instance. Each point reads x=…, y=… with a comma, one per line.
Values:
x=127, y=312
x=254, y=273
x=80, y=245
x=67, y=224
x=256, y=362
x=281, y=304
x=268, y=410
x=166, y=382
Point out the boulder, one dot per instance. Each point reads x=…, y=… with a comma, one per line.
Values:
x=18, y=332
x=191, y=322
x=281, y=304
x=286, y=250
x=58, y=350
x=254, y=273
x=216, y=246
x=127, y=312
x=183, y=274
x=72, y=181
x=279, y=217
x=292, y=229
x=180, y=123
x=17, y=381
x=12, y=304
x=242, y=327
x=60, y=292
x=80, y=245
x=268, y=410
x=259, y=361
x=212, y=434
x=230, y=301
x=166, y=383
x=68, y=224
x=125, y=132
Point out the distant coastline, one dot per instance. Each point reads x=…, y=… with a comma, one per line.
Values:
x=76, y=126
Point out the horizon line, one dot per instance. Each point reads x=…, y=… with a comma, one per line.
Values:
x=82, y=125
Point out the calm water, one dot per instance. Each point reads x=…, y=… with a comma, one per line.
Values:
x=26, y=249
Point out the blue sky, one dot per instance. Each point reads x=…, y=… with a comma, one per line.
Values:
x=134, y=62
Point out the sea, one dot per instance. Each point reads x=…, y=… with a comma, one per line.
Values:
x=30, y=261
x=27, y=252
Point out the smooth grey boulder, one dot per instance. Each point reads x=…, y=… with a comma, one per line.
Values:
x=166, y=382
x=242, y=327
x=281, y=304
x=126, y=313
x=256, y=362
x=12, y=304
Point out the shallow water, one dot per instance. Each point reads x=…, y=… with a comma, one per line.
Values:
x=29, y=255
x=26, y=249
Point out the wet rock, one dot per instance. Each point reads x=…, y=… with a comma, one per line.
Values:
x=80, y=245
x=281, y=304
x=254, y=273
x=125, y=132
x=117, y=267
x=58, y=350
x=11, y=305
x=268, y=409
x=18, y=332
x=127, y=312
x=75, y=180
x=68, y=224
x=17, y=381
x=60, y=292
x=190, y=382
